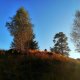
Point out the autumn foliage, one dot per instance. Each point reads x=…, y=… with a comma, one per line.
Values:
x=50, y=55
x=36, y=64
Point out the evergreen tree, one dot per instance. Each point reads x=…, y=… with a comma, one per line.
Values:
x=21, y=29
x=75, y=34
x=33, y=43
x=60, y=44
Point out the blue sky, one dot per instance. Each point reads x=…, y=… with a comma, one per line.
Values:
x=48, y=16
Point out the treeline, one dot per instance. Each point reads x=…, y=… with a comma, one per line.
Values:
x=21, y=29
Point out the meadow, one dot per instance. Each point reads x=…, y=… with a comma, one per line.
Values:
x=38, y=65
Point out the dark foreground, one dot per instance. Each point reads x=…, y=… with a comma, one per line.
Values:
x=20, y=67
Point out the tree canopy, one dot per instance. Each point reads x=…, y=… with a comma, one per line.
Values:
x=60, y=44
x=21, y=29
x=75, y=34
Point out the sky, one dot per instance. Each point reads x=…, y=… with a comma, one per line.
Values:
x=48, y=16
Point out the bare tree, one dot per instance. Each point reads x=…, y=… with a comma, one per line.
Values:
x=75, y=34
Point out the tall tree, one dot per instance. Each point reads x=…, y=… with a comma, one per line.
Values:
x=60, y=44
x=21, y=29
x=75, y=34
x=33, y=44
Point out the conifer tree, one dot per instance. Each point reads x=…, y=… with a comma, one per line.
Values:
x=60, y=44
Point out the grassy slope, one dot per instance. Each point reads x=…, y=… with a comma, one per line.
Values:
x=38, y=65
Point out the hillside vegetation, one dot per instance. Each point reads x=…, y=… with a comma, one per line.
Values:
x=38, y=65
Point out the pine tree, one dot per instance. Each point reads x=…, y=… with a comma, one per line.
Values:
x=21, y=29
x=60, y=44
x=33, y=43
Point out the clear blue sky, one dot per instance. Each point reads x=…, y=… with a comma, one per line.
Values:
x=48, y=17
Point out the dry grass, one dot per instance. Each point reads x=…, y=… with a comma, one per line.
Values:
x=49, y=55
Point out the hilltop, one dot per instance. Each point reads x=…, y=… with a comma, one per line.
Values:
x=38, y=65
x=40, y=54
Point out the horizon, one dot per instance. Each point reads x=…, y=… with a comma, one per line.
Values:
x=49, y=17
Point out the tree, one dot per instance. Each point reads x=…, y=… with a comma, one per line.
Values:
x=33, y=43
x=60, y=44
x=75, y=34
x=21, y=29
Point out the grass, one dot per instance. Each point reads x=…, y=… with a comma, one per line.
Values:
x=38, y=65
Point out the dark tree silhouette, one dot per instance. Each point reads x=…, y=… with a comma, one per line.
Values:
x=60, y=44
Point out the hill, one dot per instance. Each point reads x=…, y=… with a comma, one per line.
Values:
x=38, y=65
